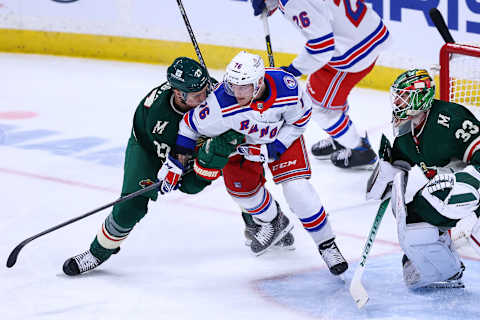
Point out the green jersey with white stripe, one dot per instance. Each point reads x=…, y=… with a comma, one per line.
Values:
x=451, y=132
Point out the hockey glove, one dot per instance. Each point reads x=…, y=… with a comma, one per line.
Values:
x=170, y=174
x=254, y=152
x=275, y=149
x=454, y=195
x=214, y=153
x=291, y=69
x=379, y=185
x=260, y=5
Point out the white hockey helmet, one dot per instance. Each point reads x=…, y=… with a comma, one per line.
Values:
x=244, y=69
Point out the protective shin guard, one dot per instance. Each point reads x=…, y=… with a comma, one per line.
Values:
x=108, y=238
x=304, y=201
x=261, y=205
x=338, y=125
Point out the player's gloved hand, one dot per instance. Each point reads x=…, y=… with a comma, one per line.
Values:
x=291, y=69
x=254, y=152
x=214, y=153
x=275, y=149
x=170, y=174
x=264, y=5
x=379, y=185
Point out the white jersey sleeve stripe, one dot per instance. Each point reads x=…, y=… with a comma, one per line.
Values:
x=471, y=149
x=362, y=49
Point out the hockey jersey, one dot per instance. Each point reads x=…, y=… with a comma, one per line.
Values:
x=451, y=132
x=283, y=115
x=345, y=34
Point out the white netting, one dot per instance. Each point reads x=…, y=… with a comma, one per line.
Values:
x=464, y=79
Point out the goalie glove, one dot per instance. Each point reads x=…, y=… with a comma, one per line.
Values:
x=379, y=185
x=170, y=174
x=454, y=195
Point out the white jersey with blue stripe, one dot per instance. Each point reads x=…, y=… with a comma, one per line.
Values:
x=345, y=34
x=283, y=115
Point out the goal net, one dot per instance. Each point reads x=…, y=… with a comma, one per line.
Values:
x=460, y=74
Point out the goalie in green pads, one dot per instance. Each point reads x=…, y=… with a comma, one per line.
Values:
x=431, y=134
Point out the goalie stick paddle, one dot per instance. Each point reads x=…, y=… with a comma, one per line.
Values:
x=357, y=290
x=268, y=42
x=194, y=41
x=441, y=26
x=12, y=258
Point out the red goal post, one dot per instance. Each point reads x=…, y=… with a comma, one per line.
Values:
x=460, y=73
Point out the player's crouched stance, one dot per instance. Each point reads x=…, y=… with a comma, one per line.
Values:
x=268, y=108
x=153, y=136
x=429, y=133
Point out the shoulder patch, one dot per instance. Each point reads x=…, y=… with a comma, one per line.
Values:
x=290, y=81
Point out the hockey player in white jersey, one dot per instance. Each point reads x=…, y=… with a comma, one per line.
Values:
x=343, y=41
x=270, y=110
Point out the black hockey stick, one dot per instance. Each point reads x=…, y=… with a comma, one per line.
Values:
x=194, y=41
x=441, y=26
x=268, y=42
x=12, y=258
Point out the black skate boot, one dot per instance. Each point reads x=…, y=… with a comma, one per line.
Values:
x=336, y=263
x=287, y=242
x=84, y=262
x=81, y=263
x=362, y=156
x=324, y=148
x=269, y=233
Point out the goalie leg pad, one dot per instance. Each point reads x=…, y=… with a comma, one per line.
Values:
x=474, y=238
x=432, y=257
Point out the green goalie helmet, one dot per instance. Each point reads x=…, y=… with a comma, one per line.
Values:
x=412, y=93
x=187, y=75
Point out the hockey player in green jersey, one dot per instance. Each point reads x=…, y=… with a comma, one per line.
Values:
x=431, y=134
x=154, y=133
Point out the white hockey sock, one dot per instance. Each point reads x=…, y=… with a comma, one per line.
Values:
x=111, y=235
x=304, y=201
x=261, y=205
x=338, y=125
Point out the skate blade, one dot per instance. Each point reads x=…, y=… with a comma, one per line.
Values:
x=458, y=284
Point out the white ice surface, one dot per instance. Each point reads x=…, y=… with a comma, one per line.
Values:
x=186, y=259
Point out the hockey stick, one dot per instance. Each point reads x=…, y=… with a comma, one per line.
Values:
x=12, y=258
x=440, y=24
x=268, y=42
x=358, y=292
x=194, y=41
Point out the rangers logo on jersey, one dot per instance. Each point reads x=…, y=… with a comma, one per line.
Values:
x=290, y=82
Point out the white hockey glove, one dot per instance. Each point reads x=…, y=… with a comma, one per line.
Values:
x=379, y=185
x=454, y=196
x=170, y=174
x=254, y=152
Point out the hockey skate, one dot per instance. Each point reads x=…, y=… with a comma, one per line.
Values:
x=324, y=148
x=81, y=263
x=361, y=157
x=411, y=277
x=330, y=253
x=287, y=242
x=269, y=233
x=84, y=262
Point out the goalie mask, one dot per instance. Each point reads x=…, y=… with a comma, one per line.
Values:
x=190, y=78
x=411, y=94
x=244, y=77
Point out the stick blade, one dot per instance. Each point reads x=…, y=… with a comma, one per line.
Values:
x=357, y=291
x=12, y=258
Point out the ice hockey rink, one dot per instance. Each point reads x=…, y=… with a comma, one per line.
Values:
x=64, y=124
